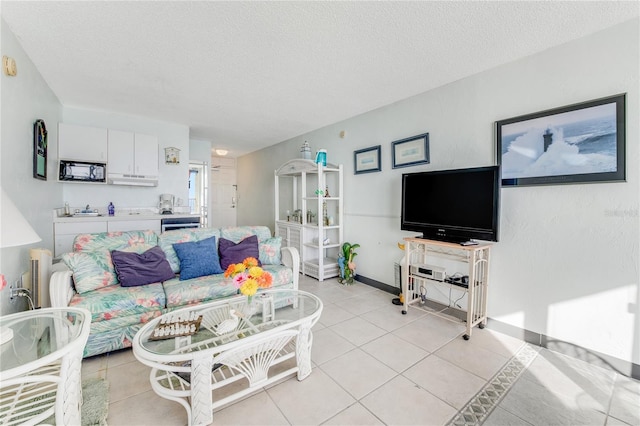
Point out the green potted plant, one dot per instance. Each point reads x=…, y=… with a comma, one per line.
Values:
x=346, y=263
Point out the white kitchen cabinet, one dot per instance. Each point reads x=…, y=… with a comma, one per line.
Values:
x=120, y=152
x=132, y=153
x=82, y=143
x=145, y=155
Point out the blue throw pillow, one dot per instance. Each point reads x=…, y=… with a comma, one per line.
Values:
x=198, y=258
x=136, y=269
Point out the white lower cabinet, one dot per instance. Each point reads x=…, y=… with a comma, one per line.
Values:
x=64, y=234
x=134, y=225
x=291, y=234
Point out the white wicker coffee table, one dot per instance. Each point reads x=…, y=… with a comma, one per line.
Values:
x=275, y=328
x=40, y=366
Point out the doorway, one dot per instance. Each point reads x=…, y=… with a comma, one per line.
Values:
x=199, y=191
x=223, y=192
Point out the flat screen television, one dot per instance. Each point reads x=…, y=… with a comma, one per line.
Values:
x=452, y=205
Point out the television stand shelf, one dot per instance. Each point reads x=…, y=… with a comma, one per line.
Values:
x=476, y=257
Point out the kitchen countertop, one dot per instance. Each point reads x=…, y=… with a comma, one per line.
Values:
x=120, y=217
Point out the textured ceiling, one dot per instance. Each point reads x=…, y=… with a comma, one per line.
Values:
x=246, y=75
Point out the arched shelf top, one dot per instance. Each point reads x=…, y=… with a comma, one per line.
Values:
x=300, y=165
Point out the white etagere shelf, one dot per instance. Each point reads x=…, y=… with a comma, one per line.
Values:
x=300, y=188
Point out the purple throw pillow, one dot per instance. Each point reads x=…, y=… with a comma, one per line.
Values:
x=231, y=252
x=135, y=269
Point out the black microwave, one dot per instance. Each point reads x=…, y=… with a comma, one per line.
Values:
x=80, y=171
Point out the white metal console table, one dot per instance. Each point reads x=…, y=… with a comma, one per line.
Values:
x=40, y=366
x=275, y=328
x=421, y=251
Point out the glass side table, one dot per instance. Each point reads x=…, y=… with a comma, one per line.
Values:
x=40, y=365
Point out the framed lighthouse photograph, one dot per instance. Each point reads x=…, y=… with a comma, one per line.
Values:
x=579, y=143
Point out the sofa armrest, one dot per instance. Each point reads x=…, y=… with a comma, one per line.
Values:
x=61, y=286
x=291, y=259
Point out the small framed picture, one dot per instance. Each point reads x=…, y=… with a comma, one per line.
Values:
x=410, y=151
x=367, y=160
x=171, y=155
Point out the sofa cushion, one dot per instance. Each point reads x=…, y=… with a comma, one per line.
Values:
x=282, y=276
x=211, y=287
x=239, y=233
x=114, y=301
x=108, y=336
x=110, y=241
x=167, y=239
x=135, y=269
x=270, y=251
x=91, y=270
x=198, y=258
x=197, y=290
x=231, y=252
x=91, y=261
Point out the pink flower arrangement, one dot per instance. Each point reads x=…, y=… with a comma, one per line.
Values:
x=248, y=276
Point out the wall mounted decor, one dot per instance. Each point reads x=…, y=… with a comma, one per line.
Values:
x=578, y=143
x=171, y=155
x=410, y=151
x=40, y=150
x=367, y=160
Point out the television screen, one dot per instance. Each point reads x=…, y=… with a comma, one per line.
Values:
x=452, y=205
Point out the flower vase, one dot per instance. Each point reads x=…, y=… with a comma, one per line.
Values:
x=251, y=307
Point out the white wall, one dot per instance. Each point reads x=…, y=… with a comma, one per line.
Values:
x=173, y=177
x=567, y=262
x=200, y=150
x=24, y=99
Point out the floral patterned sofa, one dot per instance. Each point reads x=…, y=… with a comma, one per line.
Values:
x=87, y=278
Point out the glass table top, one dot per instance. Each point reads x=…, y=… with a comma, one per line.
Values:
x=228, y=320
x=37, y=334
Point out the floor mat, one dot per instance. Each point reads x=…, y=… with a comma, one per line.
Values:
x=95, y=402
x=482, y=404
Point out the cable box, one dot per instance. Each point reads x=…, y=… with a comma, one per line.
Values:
x=431, y=272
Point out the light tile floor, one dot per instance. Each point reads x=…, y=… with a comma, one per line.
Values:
x=373, y=366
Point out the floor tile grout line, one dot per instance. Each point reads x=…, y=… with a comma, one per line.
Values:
x=357, y=402
x=396, y=373
x=266, y=391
